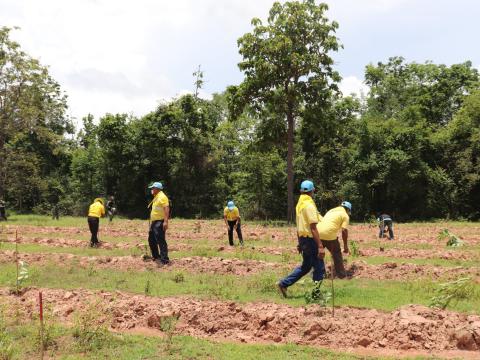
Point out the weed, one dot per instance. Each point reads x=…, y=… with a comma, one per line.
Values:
x=179, y=277
x=456, y=290
x=91, y=270
x=6, y=343
x=147, y=289
x=287, y=257
x=90, y=330
x=317, y=296
x=266, y=283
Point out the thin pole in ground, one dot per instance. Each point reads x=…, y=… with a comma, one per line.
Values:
x=333, y=290
x=16, y=259
x=40, y=303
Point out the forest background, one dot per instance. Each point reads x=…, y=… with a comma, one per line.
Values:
x=410, y=146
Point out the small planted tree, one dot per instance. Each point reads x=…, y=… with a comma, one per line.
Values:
x=452, y=240
x=460, y=289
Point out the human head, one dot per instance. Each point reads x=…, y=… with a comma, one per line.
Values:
x=307, y=187
x=100, y=200
x=347, y=206
x=156, y=187
x=230, y=205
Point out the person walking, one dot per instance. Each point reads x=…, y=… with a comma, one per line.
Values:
x=111, y=208
x=95, y=212
x=159, y=216
x=309, y=244
x=385, y=221
x=336, y=219
x=231, y=216
x=3, y=214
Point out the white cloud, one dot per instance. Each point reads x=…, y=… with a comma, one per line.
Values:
x=125, y=56
x=353, y=85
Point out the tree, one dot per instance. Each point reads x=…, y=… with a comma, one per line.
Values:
x=412, y=91
x=198, y=81
x=30, y=101
x=287, y=67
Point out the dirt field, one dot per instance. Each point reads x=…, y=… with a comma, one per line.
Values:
x=223, y=294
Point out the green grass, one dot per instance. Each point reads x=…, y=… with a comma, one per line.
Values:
x=366, y=293
x=132, y=347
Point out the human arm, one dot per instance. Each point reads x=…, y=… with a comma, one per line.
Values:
x=166, y=212
x=316, y=237
x=345, y=240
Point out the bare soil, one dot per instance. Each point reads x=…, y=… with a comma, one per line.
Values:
x=195, y=264
x=412, y=327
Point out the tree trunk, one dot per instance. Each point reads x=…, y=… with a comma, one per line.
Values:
x=290, y=137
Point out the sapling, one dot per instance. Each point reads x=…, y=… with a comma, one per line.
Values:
x=456, y=290
x=355, y=249
x=452, y=240
x=317, y=295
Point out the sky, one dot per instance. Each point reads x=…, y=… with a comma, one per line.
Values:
x=122, y=56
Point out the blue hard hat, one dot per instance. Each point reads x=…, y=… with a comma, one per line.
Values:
x=307, y=186
x=347, y=205
x=230, y=205
x=156, y=185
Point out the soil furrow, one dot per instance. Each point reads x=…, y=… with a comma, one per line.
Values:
x=411, y=327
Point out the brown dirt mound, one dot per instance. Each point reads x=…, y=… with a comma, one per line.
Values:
x=410, y=327
x=402, y=271
x=192, y=264
x=421, y=254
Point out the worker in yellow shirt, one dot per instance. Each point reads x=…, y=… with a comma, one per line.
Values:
x=231, y=216
x=95, y=212
x=159, y=215
x=309, y=244
x=336, y=219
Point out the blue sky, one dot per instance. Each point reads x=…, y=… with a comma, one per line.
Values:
x=127, y=56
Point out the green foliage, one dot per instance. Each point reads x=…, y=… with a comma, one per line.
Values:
x=90, y=330
x=179, y=277
x=354, y=249
x=7, y=350
x=317, y=295
x=452, y=240
x=460, y=289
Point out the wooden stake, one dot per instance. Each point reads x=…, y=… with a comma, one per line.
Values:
x=40, y=302
x=333, y=291
x=16, y=259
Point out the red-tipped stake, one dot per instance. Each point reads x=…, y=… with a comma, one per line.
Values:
x=40, y=303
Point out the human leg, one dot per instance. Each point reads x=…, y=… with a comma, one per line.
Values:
x=334, y=247
x=239, y=232
x=307, y=250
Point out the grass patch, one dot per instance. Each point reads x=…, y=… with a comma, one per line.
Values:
x=366, y=293
x=136, y=347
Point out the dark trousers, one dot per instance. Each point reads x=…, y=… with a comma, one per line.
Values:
x=2, y=214
x=93, y=224
x=231, y=225
x=309, y=249
x=156, y=240
x=386, y=224
x=334, y=247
